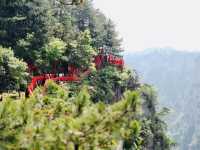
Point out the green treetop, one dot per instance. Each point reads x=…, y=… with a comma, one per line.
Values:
x=12, y=71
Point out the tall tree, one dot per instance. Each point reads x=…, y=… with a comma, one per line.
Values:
x=102, y=30
x=12, y=71
x=19, y=19
x=80, y=51
x=111, y=41
x=51, y=56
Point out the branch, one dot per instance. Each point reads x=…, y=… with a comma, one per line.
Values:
x=74, y=2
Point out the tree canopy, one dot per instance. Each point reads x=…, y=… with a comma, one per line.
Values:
x=13, y=73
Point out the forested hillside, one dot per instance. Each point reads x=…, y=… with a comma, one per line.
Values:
x=107, y=108
x=175, y=75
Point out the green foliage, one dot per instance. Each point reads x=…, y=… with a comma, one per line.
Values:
x=110, y=38
x=153, y=126
x=55, y=49
x=51, y=88
x=109, y=83
x=51, y=120
x=92, y=114
x=50, y=55
x=12, y=71
x=20, y=18
x=80, y=51
x=30, y=26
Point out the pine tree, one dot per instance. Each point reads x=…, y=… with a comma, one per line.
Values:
x=52, y=120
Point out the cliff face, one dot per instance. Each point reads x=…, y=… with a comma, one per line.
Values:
x=175, y=75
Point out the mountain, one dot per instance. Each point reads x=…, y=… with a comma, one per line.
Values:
x=176, y=76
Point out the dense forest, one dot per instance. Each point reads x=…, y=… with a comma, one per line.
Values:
x=108, y=109
x=175, y=75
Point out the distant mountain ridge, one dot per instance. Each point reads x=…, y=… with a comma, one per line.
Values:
x=176, y=76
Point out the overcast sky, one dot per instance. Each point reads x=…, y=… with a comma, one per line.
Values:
x=155, y=23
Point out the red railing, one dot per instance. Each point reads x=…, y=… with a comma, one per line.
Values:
x=73, y=72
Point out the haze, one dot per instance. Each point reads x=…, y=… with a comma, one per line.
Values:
x=155, y=23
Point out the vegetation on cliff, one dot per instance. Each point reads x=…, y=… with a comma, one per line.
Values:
x=108, y=107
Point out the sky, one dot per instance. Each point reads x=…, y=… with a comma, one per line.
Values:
x=155, y=23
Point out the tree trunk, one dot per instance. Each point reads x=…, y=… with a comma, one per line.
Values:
x=76, y=146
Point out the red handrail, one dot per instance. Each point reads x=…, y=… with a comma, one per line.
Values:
x=73, y=72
